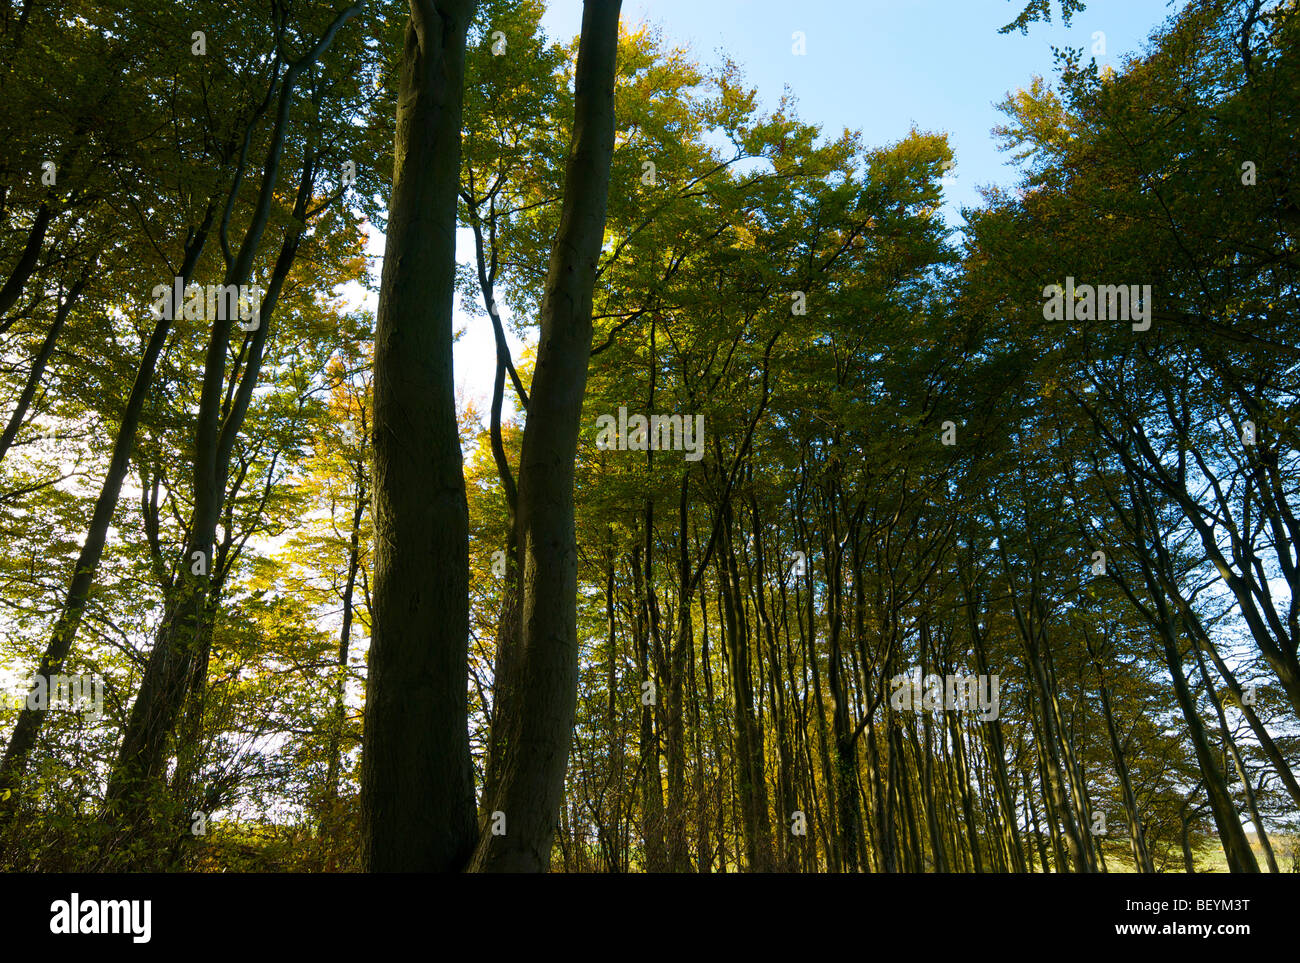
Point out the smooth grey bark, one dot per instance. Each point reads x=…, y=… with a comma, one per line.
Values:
x=539, y=719
x=417, y=783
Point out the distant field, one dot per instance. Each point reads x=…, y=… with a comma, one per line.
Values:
x=1286, y=850
x=1210, y=859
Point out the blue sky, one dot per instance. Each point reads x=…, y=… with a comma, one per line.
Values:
x=882, y=66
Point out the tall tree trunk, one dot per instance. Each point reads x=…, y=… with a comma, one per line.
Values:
x=539, y=723
x=749, y=733
x=507, y=639
x=417, y=780
x=1204, y=643
x=1240, y=857
x=612, y=831
x=1235, y=847
x=704, y=862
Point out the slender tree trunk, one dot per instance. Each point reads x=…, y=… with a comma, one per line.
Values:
x=1235, y=847
x=1240, y=857
x=177, y=667
x=1032, y=819
x=652, y=799
x=540, y=722
x=1137, y=837
x=39, y=362
x=17, y=280
x=92, y=548
x=1205, y=644
x=749, y=733
x=329, y=821
x=704, y=860
x=1230, y=744
x=997, y=754
x=613, y=831
x=507, y=640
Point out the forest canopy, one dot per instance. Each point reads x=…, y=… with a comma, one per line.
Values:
x=803, y=532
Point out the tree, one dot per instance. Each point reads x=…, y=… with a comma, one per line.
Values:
x=417, y=787
x=539, y=723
